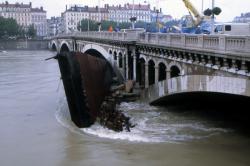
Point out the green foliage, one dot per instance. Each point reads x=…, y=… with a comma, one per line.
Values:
x=31, y=31
x=208, y=12
x=216, y=10
x=93, y=26
x=8, y=27
x=85, y=24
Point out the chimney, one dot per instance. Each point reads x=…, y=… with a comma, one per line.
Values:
x=66, y=7
x=30, y=4
x=41, y=8
x=96, y=8
x=154, y=9
x=160, y=10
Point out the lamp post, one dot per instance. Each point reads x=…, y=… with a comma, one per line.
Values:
x=202, y=6
x=157, y=22
x=80, y=19
x=133, y=18
x=99, y=13
x=88, y=19
x=212, y=28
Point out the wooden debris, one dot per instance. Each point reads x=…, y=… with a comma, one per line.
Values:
x=109, y=115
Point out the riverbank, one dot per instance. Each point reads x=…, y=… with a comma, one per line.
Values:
x=23, y=44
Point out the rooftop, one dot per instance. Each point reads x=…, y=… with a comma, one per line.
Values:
x=16, y=5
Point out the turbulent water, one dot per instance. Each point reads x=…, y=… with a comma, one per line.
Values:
x=36, y=126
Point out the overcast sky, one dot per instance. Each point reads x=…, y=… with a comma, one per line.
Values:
x=176, y=8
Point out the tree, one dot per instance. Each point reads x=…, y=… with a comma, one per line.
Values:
x=88, y=25
x=208, y=12
x=105, y=25
x=215, y=10
x=8, y=27
x=31, y=31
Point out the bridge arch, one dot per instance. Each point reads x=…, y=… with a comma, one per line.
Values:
x=97, y=48
x=151, y=72
x=53, y=46
x=142, y=56
x=175, y=69
x=65, y=47
x=162, y=71
x=115, y=55
x=110, y=52
x=120, y=59
x=141, y=71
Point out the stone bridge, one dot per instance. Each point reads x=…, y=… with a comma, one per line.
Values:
x=164, y=64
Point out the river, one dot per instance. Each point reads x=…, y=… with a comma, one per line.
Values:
x=36, y=127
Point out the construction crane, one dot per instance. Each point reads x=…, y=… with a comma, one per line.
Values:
x=194, y=22
x=194, y=11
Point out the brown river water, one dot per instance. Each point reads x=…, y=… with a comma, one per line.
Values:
x=36, y=129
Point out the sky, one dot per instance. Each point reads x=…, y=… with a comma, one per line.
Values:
x=176, y=8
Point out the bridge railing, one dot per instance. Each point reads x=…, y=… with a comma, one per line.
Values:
x=221, y=43
x=204, y=42
x=101, y=35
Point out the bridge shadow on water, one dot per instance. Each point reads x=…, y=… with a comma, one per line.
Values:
x=225, y=110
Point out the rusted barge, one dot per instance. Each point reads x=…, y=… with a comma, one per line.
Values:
x=92, y=90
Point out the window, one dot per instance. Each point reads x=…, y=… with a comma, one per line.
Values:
x=218, y=28
x=228, y=28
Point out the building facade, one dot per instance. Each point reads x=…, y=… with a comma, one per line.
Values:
x=25, y=16
x=73, y=15
x=244, y=18
x=39, y=20
x=18, y=11
x=53, y=26
x=124, y=13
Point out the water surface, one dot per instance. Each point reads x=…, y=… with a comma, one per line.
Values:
x=36, y=127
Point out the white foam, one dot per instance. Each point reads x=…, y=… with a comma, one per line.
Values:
x=100, y=131
x=152, y=126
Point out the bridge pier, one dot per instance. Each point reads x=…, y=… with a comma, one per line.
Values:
x=146, y=75
x=217, y=63
x=134, y=67
x=117, y=60
x=156, y=74
x=243, y=66
x=123, y=64
x=127, y=77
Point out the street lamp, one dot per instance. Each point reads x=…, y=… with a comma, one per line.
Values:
x=212, y=28
x=133, y=18
x=157, y=22
x=99, y=13
x=80, y=19
x=212, y=12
